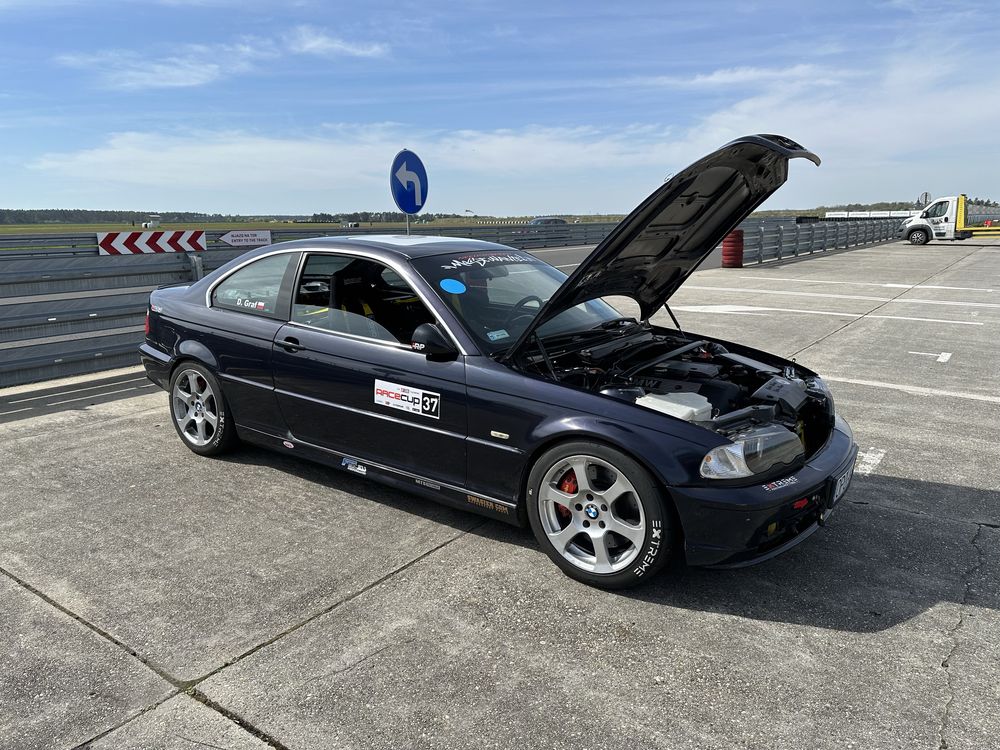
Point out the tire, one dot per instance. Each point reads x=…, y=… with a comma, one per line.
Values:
x=199, y=410
x=615, y=531
x=918, y=237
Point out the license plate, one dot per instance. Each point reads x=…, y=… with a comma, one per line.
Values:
x=841, y=485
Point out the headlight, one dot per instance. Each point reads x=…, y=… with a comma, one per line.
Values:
x=754, y=451
x=818, y=385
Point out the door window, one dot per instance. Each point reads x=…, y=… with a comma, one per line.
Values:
x=254, y=288
x=357, y=296
x=938, y=209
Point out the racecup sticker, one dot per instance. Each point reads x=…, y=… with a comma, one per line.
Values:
x=405, y=398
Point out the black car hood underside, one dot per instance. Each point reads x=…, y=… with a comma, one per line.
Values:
x=656, y=247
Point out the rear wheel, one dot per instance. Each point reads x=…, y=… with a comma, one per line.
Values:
x=918, y=237
x=199, y=410
x=599, y=515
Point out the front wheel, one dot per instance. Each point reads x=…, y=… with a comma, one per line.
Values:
x=918, y=237
x=599, y=515
x=199, y=410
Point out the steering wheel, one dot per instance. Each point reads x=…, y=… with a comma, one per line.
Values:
x=515, y=311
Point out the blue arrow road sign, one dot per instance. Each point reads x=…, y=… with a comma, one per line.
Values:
x=408, y=182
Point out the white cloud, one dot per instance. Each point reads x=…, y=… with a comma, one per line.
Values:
x=198, y=64
x=308, y=40
x=193, y=65
x=745, y=76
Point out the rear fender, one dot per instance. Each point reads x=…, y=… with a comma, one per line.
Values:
x=189, y=349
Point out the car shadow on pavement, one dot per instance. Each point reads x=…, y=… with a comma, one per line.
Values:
x=42, y=399
x=894, y=549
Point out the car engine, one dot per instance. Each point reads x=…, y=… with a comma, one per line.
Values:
x=696, y=380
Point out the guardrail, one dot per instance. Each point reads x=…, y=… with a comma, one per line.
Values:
x=520, y=236
x=769, y=241
x=65, y=310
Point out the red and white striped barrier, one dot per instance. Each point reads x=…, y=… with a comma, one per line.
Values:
x=134, y=243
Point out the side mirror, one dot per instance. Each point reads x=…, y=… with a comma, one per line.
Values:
x=428, y=339
x=923, y=214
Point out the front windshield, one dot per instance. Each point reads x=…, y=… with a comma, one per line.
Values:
x=497, y=295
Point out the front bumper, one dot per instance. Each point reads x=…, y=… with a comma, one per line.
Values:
x=738, y=526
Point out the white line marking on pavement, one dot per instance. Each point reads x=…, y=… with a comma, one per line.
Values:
x=868, y=461
x=898, y=300
x=95, y=395
x=927, y=320
x=871, y=283
x=727, y=309
x=942, y=357
x=915, y=389
x=746, y=310
x=781, y=292
x=75, y=390
x=15, y=411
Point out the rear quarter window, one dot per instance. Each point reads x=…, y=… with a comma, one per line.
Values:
x=254, y=288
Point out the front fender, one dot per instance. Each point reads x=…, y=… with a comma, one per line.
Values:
x=670, y=459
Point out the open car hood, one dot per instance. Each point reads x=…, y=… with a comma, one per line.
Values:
x=657, y=246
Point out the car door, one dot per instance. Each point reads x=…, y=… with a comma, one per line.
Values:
x=347, y=380
x=246, y=310
x=941, y=218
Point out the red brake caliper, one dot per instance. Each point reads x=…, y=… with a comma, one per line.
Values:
x=568, y=485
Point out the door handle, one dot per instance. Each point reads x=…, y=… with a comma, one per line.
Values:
x=290, y=344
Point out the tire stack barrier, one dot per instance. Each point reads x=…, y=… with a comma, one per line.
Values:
x=732, y=249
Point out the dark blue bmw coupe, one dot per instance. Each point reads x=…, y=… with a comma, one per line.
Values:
x=479, y=376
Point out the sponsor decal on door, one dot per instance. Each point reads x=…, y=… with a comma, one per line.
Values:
x=405, y=398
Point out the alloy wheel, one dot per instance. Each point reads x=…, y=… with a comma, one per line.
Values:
x=195, y=407
x=591, y=514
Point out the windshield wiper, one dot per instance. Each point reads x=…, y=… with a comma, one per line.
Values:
x=616, y=323
x=590, y=333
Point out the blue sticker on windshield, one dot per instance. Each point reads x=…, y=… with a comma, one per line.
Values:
x=497, y=335
x=453, y=286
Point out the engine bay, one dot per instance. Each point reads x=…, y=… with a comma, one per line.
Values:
x=693, y=379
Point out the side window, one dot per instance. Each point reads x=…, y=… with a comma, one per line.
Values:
x=254, y=288
x=938, y=209
x=357, y=296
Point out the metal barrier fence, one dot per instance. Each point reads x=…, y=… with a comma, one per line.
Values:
x=769, y=241
x=65, y=310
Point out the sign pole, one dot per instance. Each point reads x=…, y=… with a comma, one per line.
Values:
x=407, y=224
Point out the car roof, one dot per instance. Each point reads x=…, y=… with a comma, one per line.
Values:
x=390, y=245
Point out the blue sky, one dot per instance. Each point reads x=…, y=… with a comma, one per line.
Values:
x=257, y=106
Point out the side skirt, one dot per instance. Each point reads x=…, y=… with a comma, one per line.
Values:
x=455, y=497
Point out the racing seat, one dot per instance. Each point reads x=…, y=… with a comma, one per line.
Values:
x=354, y=304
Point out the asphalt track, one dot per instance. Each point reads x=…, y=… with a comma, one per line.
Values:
x=151, y=598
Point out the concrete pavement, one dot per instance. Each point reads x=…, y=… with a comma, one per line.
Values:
x=157, y=599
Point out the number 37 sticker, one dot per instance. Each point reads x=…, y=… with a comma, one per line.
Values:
x=405, y=398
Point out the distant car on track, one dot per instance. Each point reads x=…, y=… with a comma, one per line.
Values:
x=546, y=221
x=478, y=375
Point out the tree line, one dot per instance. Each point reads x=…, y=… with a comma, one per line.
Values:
x=85, y=216
x=379, y=216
